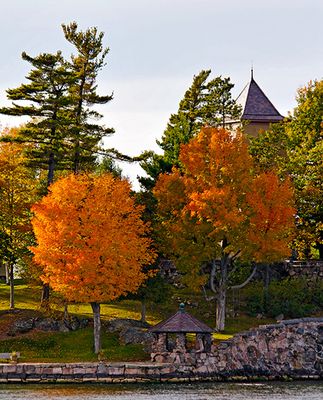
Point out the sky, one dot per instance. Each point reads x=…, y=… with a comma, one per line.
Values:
x=157, y=46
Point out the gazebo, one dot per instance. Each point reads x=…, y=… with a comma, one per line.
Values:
x=180, y=324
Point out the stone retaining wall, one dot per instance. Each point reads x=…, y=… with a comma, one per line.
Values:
x=310, y=269
x=110, y=373
x=290, y=350
x=128, y=373
x=85, y=372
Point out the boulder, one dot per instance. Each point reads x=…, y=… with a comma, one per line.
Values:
x=135, y=336
x=63, y=327
x=73, y=323
x=131, y=332
x=84, y=322
x=117, y=325
x=47, y=324
x=22, y=326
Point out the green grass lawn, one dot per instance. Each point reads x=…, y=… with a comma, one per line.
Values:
x=77, y=346
x=28, y=298
x=70, y=347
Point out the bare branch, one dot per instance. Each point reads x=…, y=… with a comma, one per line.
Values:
x=235, y=255
x=207, y=298
x=246, y=281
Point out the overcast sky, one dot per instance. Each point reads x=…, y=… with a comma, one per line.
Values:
x=156, y=46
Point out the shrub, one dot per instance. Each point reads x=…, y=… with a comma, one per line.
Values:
x=294, y=298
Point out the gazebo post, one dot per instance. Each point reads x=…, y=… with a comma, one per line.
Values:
x=207, y=342
x=203, y=342
x=199, y=342
x=160, y=343
x=180, y=343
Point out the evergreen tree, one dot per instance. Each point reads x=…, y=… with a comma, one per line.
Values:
x=205, y=103
x=48, y=102
x=85, y=136
x=108, y=164
x=220, y=107
x=60, y=96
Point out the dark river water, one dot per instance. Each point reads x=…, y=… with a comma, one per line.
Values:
x=193, y=391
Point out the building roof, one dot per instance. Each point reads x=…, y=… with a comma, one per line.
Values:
x=256, y=107
x=181, y=322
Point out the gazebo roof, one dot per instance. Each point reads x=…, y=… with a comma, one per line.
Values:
x=181, y=322
x=255, y=104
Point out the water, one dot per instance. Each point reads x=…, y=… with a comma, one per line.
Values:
x=193, y=391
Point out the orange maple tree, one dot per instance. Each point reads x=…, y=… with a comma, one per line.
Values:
x=217, y=208
x=91, y=241
x=17, y=194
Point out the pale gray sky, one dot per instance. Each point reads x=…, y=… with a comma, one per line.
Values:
x=156, y=46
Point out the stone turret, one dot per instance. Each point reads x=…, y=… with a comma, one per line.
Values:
x=258, y=112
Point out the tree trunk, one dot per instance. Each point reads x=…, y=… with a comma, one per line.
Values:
x=143, y=312
x=51, y=168
x=97, y=326
x=76, y=162
x=12, y=287
x=6, y=266
x=44, y=302
x=266, y=287
x=220, y=308
x=66, y=310
x=222, y=291
x=218, y=285
x=77, y=155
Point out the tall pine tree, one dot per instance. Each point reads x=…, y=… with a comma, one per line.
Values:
x=85, y=133
x=46, y=94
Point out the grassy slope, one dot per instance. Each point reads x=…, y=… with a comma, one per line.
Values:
x=77, y=346
x=70, y=347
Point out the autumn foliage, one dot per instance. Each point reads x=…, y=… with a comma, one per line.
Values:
x=295, y=148
x=17, y=193
x=217, y=208
x=271, y=218
x=219, y=188
x=91, y=242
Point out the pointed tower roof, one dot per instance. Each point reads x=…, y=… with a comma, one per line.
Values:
x=181, y=322
x=256, y=107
